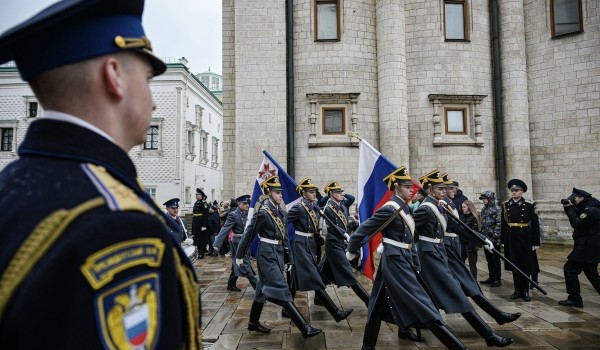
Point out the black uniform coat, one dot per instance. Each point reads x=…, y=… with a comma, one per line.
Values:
x=334, y=265
x=200, y=212
x=177, y=230
x=396, y=282
x=77, y=192
x=585, y=220
x=521, y=239
x=236, y=221
x=455, y=263
x=442, y=283
x=269, y=223
x=305, y=273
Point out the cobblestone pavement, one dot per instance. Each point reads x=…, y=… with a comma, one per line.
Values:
x=543, y=325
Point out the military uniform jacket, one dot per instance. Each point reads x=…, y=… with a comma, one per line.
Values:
x=520, y=231
x=177, y=230
x=585, y=220
x=396, y=280
x=269, y=223
x=236, y=221
x=200, y=212
x=334, y=266
x=445, y=288
x=108, y=272
x=305, y=273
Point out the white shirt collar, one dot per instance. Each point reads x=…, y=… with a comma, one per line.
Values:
x=64, y=117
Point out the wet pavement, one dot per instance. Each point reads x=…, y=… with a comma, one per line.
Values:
x=543, y=325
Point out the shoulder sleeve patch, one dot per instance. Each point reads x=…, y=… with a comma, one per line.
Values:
x=118, y=196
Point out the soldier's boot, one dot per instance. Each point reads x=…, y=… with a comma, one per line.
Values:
x=500, y=316
x=407, y=333
x=371, y=334
x=445, y=335
x=482, y=328
x=338, y=315
x=362, y=294
x=306, y=329
x=284, y=313
x=254, y=325
x=516, y=282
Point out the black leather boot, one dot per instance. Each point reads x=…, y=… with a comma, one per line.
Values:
x=255, y=312
x=482, y=328
x=407, y=333
x=444, y=334
x=306, y=330
x=500, y=316
x=338, y=315
x=371, y=334
x=360, y=291
x=516, y=282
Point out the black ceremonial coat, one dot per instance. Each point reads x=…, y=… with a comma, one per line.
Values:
x=106, y=241
x=521, y=239
x=396, y=281
x=236, y=221
x=305, y=273
x=334, y=266
x=267, y=223
x=442, y=283
x=585, y=220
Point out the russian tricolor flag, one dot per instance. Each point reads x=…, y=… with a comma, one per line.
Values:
x=269, y=167
x=372, y=194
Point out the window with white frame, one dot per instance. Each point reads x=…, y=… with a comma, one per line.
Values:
x=457, y=120
x=190, y=141
x=327, y=20
x=455, y=20
x=188, y=196
x=7, y=139
x=152, y=138
x=331, y=117
x=203, y=147
x=566, y=17
x=215, y=152
x=151, y=192
x=32, y=109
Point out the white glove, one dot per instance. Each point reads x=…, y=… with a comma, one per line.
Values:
x=188, y=241
x=489, y=246
x=350, y=256
x=535, y=247
x=347, y=236
x=443, y=202
x=239, y=262
x=380, y=248
x=203, y=229
x=288, y=267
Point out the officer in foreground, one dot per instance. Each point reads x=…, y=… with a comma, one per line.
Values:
x=583, y=211
x=86, y=260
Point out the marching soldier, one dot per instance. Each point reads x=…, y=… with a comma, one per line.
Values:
x=200, y=223
x=431, y=223
x=397, y=294
x=86, y=260
x=269, y=223
x=334, y=265
x=305, y=273
x=236, y=222
x=521, y=233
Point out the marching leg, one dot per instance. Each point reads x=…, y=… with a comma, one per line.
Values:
x=500, y=316
x=337, y=314
x=254, y=325
x=446, y=336
x=482, y=328
x=360, y=291
x=306, y=330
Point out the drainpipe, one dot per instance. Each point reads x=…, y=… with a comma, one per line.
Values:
x=289, y=45
x=498, y=102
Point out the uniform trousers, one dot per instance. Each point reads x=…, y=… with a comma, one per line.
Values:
x=572, y=269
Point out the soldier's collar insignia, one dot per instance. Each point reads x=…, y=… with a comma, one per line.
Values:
x=128, y=313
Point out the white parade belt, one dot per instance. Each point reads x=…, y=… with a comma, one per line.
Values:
x=270, y=241
x=449, y=234
x=397, y=244
x=429, y=239
x=238, y=235
x=300, y=233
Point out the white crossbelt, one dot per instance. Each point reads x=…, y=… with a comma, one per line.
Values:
x=429, y=239
x=270, y=241
x=397, y=244
x=238, y=234
x=300, y=233
x=450, y=234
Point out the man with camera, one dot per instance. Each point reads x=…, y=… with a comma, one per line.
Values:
x=583, y=211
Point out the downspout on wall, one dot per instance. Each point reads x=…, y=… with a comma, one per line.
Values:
x=290, y=119
x=498, y=101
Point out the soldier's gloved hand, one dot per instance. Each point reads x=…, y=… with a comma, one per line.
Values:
x=347, y=236
x=443, y=202
x=380, y=248
x=239, y=262
x=535, y=247
x=489, y=246
x=350, y=256
x=288, y=267
x=188, y=241
x=203, y=229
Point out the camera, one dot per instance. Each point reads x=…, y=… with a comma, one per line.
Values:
x=566, y=201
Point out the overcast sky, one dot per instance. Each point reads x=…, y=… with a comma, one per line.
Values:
x=176, y=28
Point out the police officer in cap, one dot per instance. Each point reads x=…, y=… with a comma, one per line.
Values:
x=521, y=235
x=236, y=222
x=86, y=259
x=269, y=223
x=583, y=212
x=178, y=230
x=200, y=223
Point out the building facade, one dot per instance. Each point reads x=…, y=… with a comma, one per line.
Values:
x=486, y=90
x=183, y=149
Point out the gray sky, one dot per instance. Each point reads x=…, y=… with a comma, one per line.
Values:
x=176, y=28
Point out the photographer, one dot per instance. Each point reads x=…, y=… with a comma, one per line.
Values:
x=583, y=211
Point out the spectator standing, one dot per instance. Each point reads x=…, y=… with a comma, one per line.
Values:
x=214, y=225
x=469, y=249
x=583, y=212
x=491, y=224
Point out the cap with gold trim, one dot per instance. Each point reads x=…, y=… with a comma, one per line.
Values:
x=432, y=179
x=447, y=181
x=270, y=183
x=332, y=186
x=306, y=184
x=399, y=176
x=71, y=31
